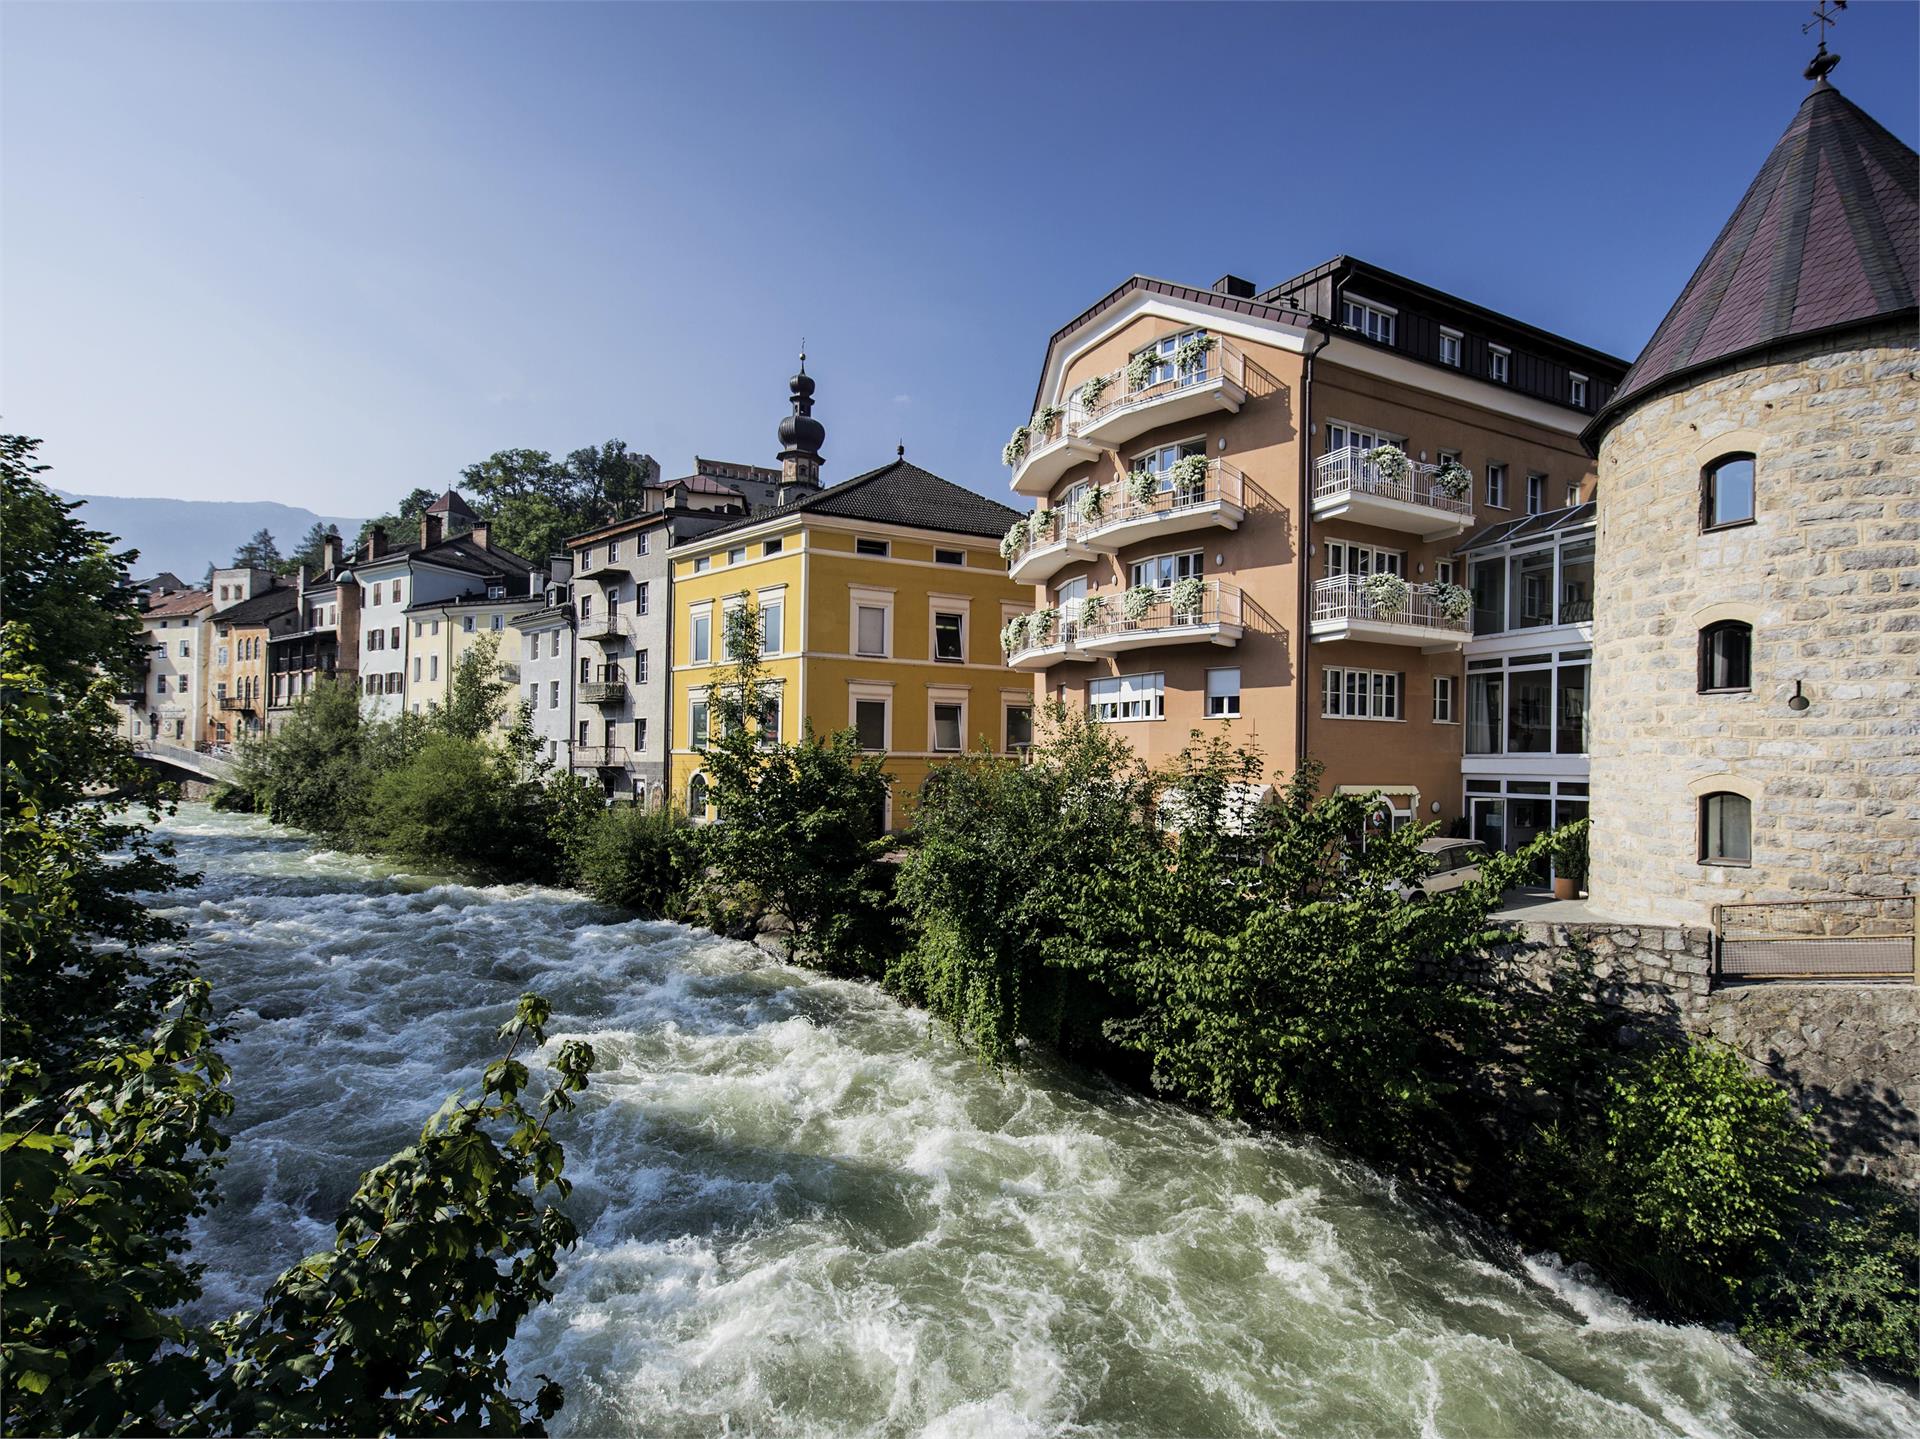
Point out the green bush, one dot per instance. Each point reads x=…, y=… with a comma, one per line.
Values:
x=643, y=860
x=232, y=799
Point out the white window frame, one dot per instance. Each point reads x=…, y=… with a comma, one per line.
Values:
x=702, y=563
x=1224, y=698
x=698, y=615
x=1008, y=704
x=776, y=597
x=1350, y=557
x=639, y=667
x=1378, y=322
x=1573, y=493
x=1342, y=436
x=1453, y=345
x=1147, y=691
x=1536, y=498
x=1496, y=484
x=737, y=555
x=699, y=721
x=1577, y=389
x=642, y=600
x=937, y=699
x=859, y=598
x=884, y=552
x=871, y=692
x=1500, y=364
x=1446, y=699
x=943, y=605
x=1185, y=564
x=1341, y=699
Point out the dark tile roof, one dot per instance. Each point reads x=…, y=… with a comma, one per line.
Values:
x=265, y=606
x=451, y=504
x=1827, y=237
x=183, y=603
x=895, y=494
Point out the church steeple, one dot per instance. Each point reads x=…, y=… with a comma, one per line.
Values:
x=801, y=435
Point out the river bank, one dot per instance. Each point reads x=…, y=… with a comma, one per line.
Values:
x=806, y=1211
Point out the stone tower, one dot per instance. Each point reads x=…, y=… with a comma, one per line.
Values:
x=1756, y=722
x=800, y=439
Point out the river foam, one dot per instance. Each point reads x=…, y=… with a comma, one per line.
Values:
x=804, y=1212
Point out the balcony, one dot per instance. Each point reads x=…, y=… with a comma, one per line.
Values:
x=619, y=569
x=236, y=704
x=1052, y=454
x=607, y=629
x=1061, y=646
x=604, y=692
x=1216, y=502
x=608, y=756
x=1218, y=383
x=1045, y=549
x=1342, y=610
x=1345, y=486
x=1216, y=619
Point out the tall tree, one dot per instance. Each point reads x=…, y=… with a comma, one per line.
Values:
x=260, y=552
x=311, y=551
x=401, y=522
x=610, y=481
x=529, y=500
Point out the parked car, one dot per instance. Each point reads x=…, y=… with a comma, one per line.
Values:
x=1455, y=862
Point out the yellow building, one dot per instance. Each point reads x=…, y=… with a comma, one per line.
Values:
x=881, y=601
x=441, y=633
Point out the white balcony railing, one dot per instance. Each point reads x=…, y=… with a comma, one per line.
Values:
x=1222, y=493
x=1344, y=481
x=1341, y=605
x=1218, y=617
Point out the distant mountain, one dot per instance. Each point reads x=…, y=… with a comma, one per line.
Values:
x=186, y=535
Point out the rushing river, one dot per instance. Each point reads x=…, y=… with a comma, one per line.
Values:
x=804, y=1213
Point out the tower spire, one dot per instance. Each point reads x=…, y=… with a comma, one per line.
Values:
x=800, y=434
x=1822, y=63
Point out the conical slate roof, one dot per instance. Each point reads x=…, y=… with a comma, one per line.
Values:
x=1827, y=237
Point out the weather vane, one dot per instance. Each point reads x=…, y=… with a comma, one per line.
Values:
x=1822, y=62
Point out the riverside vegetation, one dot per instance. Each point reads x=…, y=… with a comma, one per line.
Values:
x=1251, y=960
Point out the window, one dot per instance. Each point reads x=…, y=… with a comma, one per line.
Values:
x=1726, y=656
x=697, y=725
x=1446, y=699
x=416, y=669
x=1497, y=486
x=870, y=724
x=697, y=796
x=1530, y=711
x=1576, y=584
x=1726, y=829
x=396, y=637
x=771, y=547
x=1570, y=709
x=948, y=722
x=1577, y=390
x=1360, y=694
x=1450, y=348
x=496, y=623
x=773, y=613
x=1351, y=437
x=1499, y=364
x=1536, y=493
x=642, y=600
x=583, y=732
x=586, y=671
x=433, y=667
x=871, y=547
x=644, y=545
x=1163, y=572
x=1019, y=728
x=1530, y=589
x=553, y=695
x=1573, y=493
x=613, y=551
x=160, y=684
x=1376, y=322
x=586, y=605
x=533, y=646
x=871, y=630
x=701, y=637
x=1161, y=461
x=949, y=557
x=1344, y=558
x=948, y=643
x=701, y=564
x=1223, y=694
x=1726, y=492
x=186, y=649
x=1127, y=697
x=396, y=592
x=466, y=623
x=1444, y=571
x=640, y=667
x=496, y=592
x=640, y=735
x=737, y=555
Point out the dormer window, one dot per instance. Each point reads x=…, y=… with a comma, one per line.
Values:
x=1577, y=391
x=1450, y=342
x=1499, y=364
x=1373, y=320
x=496, y=592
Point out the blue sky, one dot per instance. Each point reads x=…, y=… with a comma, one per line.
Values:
x=323, y=254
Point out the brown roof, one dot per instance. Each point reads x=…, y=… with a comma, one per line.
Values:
x=1826, y=238
x=184, y=603
x=895, y=494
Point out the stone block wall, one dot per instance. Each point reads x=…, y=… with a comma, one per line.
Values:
x=1829, y=577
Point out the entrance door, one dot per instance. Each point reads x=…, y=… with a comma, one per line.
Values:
x=1489, y=822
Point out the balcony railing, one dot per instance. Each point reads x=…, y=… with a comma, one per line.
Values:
x=1061, y=644
x=1342, y=609
x=1218, y=617
x=1220, y=498
x=606, y=629
x=1346, y=483
x=606, y=756
x=236, y=703
x=604, y=692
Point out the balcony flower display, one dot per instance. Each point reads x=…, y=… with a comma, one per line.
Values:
x=1191, y=353
x=1453, y=478
x=1138, y=600
x=1043, y=525
x=1043, y=419
x=1092, y=609
x=1016, y=448
x=1187, y=597
x=1013, y=635
x=1040, y=625
x=1014, y=539
x=1386, y=592
x=1189, y=476
x=1093, y=503
x=1142, y=486
x=1141, y=367
x=1454, y=601
x=1390, y=463
x=1092, y=390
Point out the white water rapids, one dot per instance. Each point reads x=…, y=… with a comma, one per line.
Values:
x=802, y=1212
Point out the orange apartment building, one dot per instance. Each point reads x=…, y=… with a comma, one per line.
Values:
x=1219, y=475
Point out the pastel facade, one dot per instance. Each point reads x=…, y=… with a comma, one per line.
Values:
x=240, y=676
x=546, y=642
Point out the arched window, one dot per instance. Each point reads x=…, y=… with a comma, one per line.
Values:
x=1726, y=492
x=1726, y=828
x=1726, y=656
x=697, y=797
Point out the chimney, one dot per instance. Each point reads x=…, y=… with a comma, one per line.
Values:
x=376, y=542
x=300, y=593
x=478, y=534
x=330, y=553
x=432, y=527
x=1234, y=287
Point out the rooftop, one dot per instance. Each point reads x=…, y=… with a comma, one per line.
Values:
x=185, y=602
x=267, y=605
x=898, y=493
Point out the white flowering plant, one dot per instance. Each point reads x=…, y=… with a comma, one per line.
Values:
x=1013, y=634
x=1386, y=592
x=1016, y=448
x=1138, y=600
x=1453, y=478
x=1013, y=540
x=1093, y=389
x=1141, y=367
x=1390, y=463
x=1454, y=601
x=1188, y=595
x=1092, y=609
x=1189, y=475
x=1093, y=503
x=1192, y=352
x=1043, y=419
x=1142, y=486
x=1040, y=625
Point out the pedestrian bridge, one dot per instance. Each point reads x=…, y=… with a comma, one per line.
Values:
x=178, y=761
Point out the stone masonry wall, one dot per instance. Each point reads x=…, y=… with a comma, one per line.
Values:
x=1829, y=577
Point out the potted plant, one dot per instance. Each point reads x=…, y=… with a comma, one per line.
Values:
x=1141, y=367
x=1570, y=860
x=1093, y=503
x=1040, y=625
x=1138, y=600
x=1092, y=608
x=1044, y=524
x=1142, y=486
x=1191, y=353
x=1188, y=595
x=1016, y=448
x=1013, y=540
x=1454, y=601
x=1014, y=634
x=1390, y=463
x=1387, y=594
x=1454, y=479
x=1189, y=474
x=1092, y=390
x=1042, y=427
